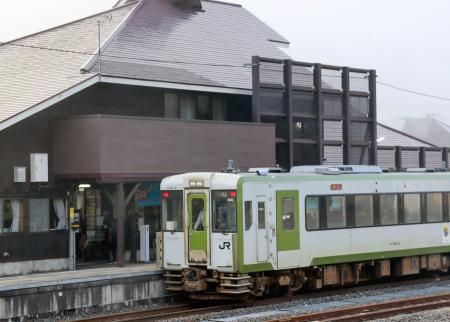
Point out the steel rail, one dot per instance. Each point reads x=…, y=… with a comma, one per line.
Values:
x=185, y=310
x=374, y=311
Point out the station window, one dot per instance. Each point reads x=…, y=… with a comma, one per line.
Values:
x=261, y=215
x=312, y=213
x=248, y=215
x=363, y=210
x=288, y=214
x=39, y=215
x=434, y=207
x=11, y=216
x=224, y=211
x=172, y=211
x=388, y=210
x=411, y=208
x=336, y=211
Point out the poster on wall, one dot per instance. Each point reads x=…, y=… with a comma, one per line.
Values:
x=148, y=194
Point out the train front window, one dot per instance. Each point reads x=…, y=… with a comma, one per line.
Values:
x=172, y=210
x=224, y=211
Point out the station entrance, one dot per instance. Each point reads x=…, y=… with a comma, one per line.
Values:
x=96, y=241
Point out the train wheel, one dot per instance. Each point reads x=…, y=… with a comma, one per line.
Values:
x=249, y=299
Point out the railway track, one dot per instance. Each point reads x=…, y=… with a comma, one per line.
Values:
x=163, y=313
x=190, y=309
x=374, y=311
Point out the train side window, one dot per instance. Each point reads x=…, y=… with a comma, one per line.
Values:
x=248, y=215
x=388, y=209
x=261, y=215
x=411, y=208
x=336, y=212
x=434, y=207
x=363, y=211
x=288, y=214
x=312, y=213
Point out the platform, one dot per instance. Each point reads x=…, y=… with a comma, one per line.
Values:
x=106, y=287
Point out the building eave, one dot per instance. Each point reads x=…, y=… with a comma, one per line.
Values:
x=49, y=102
x=176, y=86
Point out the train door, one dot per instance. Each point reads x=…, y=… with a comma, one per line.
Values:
x=262, y=240
x=198, y=228
x=288, y=231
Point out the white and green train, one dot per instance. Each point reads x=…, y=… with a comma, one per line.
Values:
x=235, y=235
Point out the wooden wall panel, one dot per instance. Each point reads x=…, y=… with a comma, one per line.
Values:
x=129, y=147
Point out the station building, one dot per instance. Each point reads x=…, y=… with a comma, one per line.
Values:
x=173, y=86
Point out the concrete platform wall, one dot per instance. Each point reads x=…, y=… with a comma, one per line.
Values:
x=101, y=293
x=36, y=266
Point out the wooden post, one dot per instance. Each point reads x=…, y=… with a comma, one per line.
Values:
x=120, y=209
x=133, y=234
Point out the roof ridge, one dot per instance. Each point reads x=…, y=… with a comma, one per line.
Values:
x=67, y=23
x=225, y=3
x=92, y=59
x=282, y=39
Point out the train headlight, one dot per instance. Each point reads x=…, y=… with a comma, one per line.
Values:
x=196, y=183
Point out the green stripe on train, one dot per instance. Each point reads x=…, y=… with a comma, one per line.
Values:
x=378, y=255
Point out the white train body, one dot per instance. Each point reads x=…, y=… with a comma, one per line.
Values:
x=296, y=229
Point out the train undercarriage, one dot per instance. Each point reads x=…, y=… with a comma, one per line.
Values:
x=199, y=283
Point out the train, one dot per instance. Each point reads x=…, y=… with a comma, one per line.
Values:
x=230, y=235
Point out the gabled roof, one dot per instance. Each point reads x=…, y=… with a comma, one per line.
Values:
x=212, y=47
x=31, y=74
x=388, y=136
x=147, y=40
x=429, y=129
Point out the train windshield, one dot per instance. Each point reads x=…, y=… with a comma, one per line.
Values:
x=172, y=210
x=224, y=211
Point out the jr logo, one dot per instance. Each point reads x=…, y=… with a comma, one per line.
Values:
x=224, y=245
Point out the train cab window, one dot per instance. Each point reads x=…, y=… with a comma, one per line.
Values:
x=434, y=207
x=363, y=211
x=288, y=219
x=411, y=208
x=198, y=214
x=388, y=210
x=224, y=211
x=248, y=215
x=172, y=210
x=261, y=215
x=336, y=212
x=312, y=213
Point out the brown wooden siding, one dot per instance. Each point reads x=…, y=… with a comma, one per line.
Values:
x=130, y=147
x=18, y=141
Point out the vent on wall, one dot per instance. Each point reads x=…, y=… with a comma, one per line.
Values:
x=20, y=174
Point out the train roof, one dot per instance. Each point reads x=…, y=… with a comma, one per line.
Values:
x=231, y=179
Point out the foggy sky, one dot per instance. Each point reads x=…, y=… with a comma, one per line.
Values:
x=406, y=41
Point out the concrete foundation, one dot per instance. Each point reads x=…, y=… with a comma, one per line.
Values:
x=31, y=267
x=68, y=291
